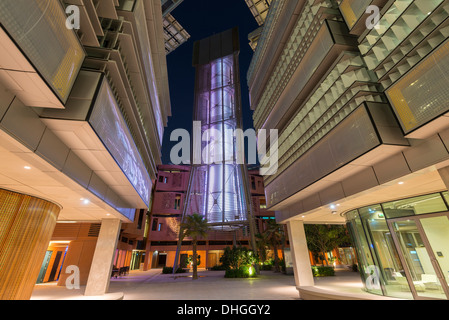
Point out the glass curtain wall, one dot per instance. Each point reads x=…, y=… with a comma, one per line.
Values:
x=380, y=268
x=401, y=246
x=422, y=272
x=224, y=198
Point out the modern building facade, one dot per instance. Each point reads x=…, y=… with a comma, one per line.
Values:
x=174, y=34
x=259, y=9
x=82, y=115
x=218, y=189
x=362, y=119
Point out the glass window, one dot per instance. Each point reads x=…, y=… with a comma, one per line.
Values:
x=420, y=95
x=154, y=226
x=446, y=197
x=366, y=265
x=388, y=266
x=263, y=204
x=39, y=29
x=110, y=126
x=422, y=272
x=352, y=10
x=177, y=201
x=437, y=232
x=414, y=206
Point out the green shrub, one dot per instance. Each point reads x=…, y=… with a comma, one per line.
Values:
x=242, y=272
x=266, y=267
x=237, y=273
x=269, y=262
x=238, y=261
x=322, y=271
x=168, y=270
x=218, y=268
x=235, y=257
x=234, y=273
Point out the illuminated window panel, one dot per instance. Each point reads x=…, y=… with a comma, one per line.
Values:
x=218, y=189
x=39, y=29
x=109, y=124
x=432, y=33
x=259, y=9
x=396, y=25
x=352, y=10
x=216, y=108
x=422, y=95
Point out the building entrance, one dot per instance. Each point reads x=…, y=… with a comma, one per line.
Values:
x=423, y=240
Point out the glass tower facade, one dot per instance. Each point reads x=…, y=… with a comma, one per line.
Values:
x=218, y=190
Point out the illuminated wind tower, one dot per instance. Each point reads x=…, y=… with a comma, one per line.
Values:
x=219, y=187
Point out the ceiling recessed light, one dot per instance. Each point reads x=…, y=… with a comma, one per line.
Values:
x=27, y=167
x=108, y=214
x=402, y=182
x=333, y=206
x=86, y=201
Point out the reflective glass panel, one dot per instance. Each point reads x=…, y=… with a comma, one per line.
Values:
x=110, y=126
x=368, y=270
x=423, y=275
x=437, y=232
x=414, y=206
x=389, y=266
x=39, y=29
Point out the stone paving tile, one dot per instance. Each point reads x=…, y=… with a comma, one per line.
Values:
x=211, y=285
x=153, y=285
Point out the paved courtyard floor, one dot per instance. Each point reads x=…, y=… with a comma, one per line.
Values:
x=153, y=285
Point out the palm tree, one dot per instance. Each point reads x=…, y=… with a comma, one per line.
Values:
x=274, y=235
x=195, y=227
x=262, y=244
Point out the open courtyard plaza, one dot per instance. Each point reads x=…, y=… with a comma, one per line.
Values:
x=211, y=285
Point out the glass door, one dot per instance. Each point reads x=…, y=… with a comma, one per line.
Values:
x=422, y=241
x=44, y=266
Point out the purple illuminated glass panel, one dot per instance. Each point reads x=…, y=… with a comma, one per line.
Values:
x=217, y=191
x=107, y=121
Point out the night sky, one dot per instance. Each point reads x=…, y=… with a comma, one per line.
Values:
x=201, y=19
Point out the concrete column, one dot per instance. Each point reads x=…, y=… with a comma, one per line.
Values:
x=80, y=253
x=207, y=258
x=148, y=259
x=101, y=268
x=300, y=254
